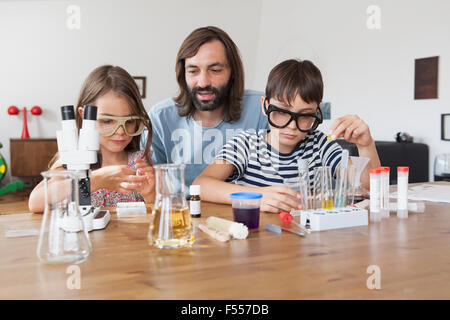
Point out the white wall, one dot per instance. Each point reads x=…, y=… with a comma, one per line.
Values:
x=44, y=63
x=368, y=72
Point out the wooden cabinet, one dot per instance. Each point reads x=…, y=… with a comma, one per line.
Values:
x=29, y=157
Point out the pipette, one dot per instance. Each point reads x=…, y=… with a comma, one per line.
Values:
x=277, y=229
x=288, y=218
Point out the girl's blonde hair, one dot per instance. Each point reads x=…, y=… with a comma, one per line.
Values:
x=113, y=78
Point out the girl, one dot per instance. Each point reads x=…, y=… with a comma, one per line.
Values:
x=126, y=173
x=262, y=162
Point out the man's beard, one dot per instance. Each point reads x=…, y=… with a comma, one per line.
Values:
x=220, y=96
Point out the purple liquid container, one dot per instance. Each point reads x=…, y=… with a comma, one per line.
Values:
x=246, y=208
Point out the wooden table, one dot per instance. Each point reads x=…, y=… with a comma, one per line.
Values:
x=412, y=254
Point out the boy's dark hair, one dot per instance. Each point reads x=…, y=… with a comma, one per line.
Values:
x=188, y=49
x=295, y=77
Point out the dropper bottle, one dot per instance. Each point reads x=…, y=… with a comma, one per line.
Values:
x=195, y=201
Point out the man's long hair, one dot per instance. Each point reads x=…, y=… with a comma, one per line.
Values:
x=188, y=49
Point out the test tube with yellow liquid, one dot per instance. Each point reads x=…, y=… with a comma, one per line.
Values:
x=323, y=188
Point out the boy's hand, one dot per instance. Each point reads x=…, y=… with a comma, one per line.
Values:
x=353, y=129
x=277, y=199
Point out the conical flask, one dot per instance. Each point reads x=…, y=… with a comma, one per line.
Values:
x=170, y=224
x=63, y=237
x=359, y=192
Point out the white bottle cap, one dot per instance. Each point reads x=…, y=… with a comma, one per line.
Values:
x=194, y=190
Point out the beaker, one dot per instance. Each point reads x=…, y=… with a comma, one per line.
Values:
x=63, y=237
x=323, y=188
x=170, y=224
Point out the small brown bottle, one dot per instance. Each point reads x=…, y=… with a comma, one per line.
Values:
x=195, y=201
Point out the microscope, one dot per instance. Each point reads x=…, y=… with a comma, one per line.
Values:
x=79, y=154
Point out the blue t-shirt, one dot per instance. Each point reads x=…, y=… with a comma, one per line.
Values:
x=182, y=140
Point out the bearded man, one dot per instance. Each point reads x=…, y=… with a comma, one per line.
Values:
x=211, y=107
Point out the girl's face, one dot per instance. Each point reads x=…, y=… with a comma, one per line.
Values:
x=285, y=139
x=112, y=104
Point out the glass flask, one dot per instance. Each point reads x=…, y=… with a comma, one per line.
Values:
x=170, y=224
x=63, y=237
x=359, y=192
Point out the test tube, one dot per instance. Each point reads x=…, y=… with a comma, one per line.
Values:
x=351, y=176
x=402, y=192
x=385, y=191
x=323, y=188
x=303, y=172
x=375, y=182
x=340, y=199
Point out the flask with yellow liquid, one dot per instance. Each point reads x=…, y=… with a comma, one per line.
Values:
x=170, y=224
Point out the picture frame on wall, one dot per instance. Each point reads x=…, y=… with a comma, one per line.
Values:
x=142, y=85
x=426, y=78
x=445, y=126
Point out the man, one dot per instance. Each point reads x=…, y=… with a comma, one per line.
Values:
x=211, y=106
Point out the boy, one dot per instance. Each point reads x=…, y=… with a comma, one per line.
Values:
x=262, y=162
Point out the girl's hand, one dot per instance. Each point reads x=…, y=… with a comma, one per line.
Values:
x=143, y=181
x=277, y=199
x=353, y=129
x=112, y=177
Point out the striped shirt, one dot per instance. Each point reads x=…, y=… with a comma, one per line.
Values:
x=259, y=164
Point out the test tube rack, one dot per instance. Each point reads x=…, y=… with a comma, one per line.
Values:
x=336, y=218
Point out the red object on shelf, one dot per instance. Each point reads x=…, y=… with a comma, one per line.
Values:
x=36, y=111
x=25, y=134
x=13, y=110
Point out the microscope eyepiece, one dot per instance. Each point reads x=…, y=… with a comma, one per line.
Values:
x=67, y=113
x=90, y=112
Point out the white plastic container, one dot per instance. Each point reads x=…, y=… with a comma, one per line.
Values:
x=385, y=171
x=402, y=192
x=375, y=194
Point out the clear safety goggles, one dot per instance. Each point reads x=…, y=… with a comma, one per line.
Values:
x=108, y=125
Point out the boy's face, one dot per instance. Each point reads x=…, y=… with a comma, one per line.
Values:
x=289, y=136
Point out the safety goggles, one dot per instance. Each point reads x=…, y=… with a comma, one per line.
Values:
x=281, y=118
x=108, y=125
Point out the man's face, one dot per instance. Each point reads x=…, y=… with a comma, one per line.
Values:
x=207, y=76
